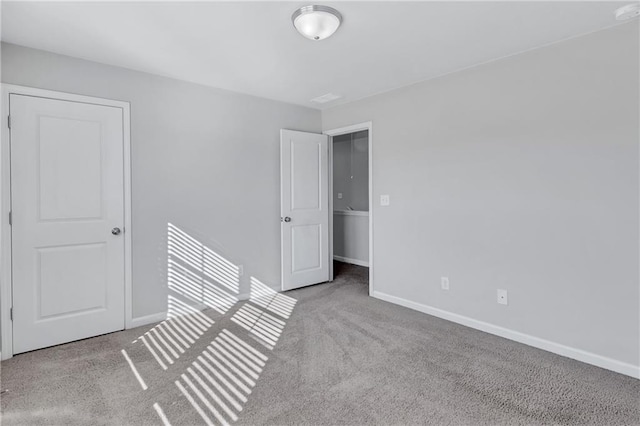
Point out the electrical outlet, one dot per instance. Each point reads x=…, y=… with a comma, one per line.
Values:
x=339, y=195
x=502, y=297
x=384, y=200
x=444, y=283
x=240, y=270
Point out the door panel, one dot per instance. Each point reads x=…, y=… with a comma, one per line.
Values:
x=67, y=194
x=305, y=175
x=306, y=243
x=305, y=201
x=62, y=195
x=84, y=288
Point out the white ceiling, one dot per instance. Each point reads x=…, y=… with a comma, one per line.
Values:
x=252, y=47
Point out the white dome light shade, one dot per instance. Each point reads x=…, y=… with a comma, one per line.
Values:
x=629, y=11
x=316, y=22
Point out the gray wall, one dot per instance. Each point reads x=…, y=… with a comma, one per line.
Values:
x=519, y=174
x=205, y=160
x=351, y=171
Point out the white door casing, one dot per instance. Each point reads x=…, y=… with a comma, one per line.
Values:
x=304, y=202
x=368, y=126
x=67, y=187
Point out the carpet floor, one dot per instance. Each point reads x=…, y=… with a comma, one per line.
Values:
x=321, y=355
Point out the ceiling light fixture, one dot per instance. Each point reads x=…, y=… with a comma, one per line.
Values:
x=628, y=12
x=316, y=22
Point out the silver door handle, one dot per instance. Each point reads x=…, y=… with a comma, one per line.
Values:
x=287, y=219
x=115, y=231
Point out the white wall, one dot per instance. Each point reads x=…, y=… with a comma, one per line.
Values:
x=520, y=174
x=351, y=237
x=203, y=159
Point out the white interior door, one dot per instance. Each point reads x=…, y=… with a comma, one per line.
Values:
x=67, y=209
x=304, y=177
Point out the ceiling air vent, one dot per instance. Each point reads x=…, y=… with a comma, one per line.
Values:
x=326, y=98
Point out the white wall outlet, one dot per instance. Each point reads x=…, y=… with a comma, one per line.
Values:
x=502, y=297
x=339, y=195
x=240, y=270
x=384, y=200
x=444, y=283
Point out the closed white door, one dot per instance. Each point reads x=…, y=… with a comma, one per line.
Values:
x=67, y=213
x=304, y=175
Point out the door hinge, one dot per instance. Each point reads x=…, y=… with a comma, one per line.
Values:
x=9, y=121
x=11, y=314
x=10, y=219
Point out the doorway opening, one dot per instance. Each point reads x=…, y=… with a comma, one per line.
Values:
x=350, y=200
x=307, y=199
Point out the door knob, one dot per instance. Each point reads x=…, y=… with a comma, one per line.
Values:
x=287, y=219
x=115, y=231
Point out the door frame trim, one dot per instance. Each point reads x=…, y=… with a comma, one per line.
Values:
x=6, y=284
x=368, y=125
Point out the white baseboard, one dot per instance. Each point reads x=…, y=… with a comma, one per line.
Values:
x=536, y=342
x=147, y=319
x=352, y=261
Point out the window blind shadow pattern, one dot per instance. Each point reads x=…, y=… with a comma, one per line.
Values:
x=214, y=377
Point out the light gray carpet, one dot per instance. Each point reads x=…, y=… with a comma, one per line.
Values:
x=342, y=358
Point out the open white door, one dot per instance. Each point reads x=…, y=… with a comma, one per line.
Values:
x=67, y=189
x=304, y=201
